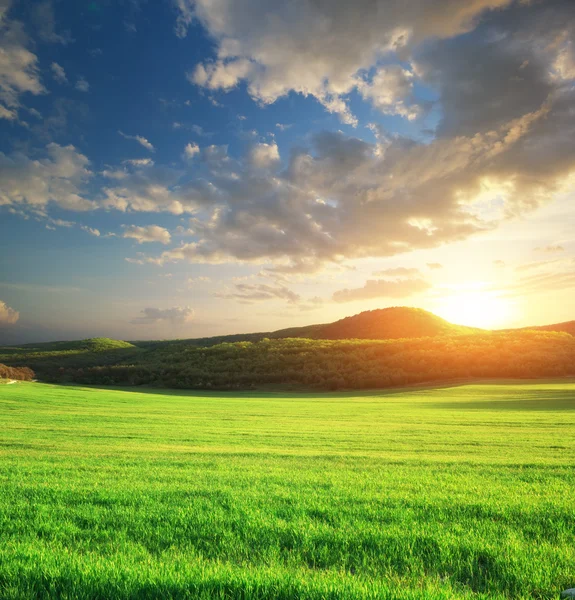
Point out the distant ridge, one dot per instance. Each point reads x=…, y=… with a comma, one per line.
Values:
x=386, y=324
x=566, y=327
x=97, y=344
x=381, y=324
x=397, y=322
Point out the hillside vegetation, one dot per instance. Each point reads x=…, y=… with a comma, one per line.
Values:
x=431, y=349
x=437, y=494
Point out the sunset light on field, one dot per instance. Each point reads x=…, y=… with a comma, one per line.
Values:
x=287, y=299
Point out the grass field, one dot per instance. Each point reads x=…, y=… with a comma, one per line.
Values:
x=461, y=492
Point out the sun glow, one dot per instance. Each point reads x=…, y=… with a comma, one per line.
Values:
x=476, y=308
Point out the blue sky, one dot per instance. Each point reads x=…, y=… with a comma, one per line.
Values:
x=196, y=167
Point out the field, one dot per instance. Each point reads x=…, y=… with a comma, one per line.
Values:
x=445, y=493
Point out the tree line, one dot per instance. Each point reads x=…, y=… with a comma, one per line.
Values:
x=318, y=364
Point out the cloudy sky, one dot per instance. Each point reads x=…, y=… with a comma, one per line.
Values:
x=184, y=168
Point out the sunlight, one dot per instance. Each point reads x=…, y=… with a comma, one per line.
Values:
x=476, y=308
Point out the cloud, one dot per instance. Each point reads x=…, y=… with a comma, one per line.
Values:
x=8, y=316
x=543, y=282
x=42, y=15
x=185, y=10
x=247, y=292
x=58, y=73
x=83, y=86
x=195, y=280
x=499, y=153
x=551, y=249
x=56, y=178
x=18, y=69
x=264, y=156
x=190, y=151
x=139, y=162
x=321, y=48
x=538, y=264
x=220, y=75
x=149, y=233
x=434, y=266
x=91, y=230
x=382, y=288
x=397, y=272
x=176, y=316
x=149, y=188
x=140, y=139
x=391, y=91
x=345, y=197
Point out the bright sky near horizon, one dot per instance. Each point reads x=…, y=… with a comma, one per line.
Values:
x=185, y=168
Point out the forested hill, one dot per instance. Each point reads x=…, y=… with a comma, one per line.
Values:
x=566, y=327
x=398, y=322
x=379, y=348
x=385, y=324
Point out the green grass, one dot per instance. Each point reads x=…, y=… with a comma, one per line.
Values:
x=460, y=492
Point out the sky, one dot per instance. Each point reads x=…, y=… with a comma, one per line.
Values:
x=188, y=168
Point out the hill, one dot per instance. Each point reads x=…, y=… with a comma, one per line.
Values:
x=381, y=324
x=566, y=327
x=387, y=324
x=378, y=348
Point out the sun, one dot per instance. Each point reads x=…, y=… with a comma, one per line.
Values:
x=476, y=308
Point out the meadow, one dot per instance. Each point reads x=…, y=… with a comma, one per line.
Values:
x=462, y=492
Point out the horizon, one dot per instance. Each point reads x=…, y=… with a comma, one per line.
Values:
x=187, y=169
x=240, y=333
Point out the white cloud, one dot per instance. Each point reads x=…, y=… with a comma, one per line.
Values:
x=320, y=48
x=264, y=156
x=221, y=75
x=18, y=69
x=8, y=316
x=257, y=292
x=388, y=90
x=190, y=151
x=397, y=272
x=140, y=139
x=139, y=162
x=176, y=316
x=382, y=288
x=8, y=114
x=56, y=178
x=91, y=230
x=58, y=73
x=185, y=16
x=149, y=233
x=83, y=86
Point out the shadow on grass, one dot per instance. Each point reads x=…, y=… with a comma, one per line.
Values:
x=544, y=401
x=542, y=404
